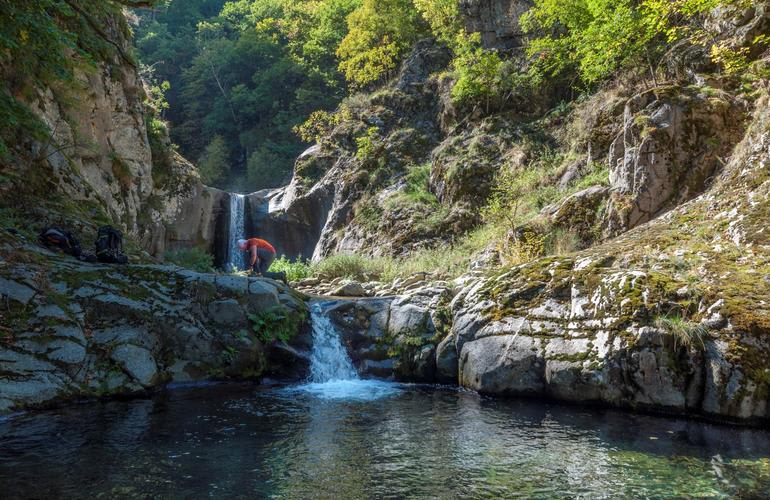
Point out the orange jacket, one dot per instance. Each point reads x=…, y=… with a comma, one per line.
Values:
x=258, y=243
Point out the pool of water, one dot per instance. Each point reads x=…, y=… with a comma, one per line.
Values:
x=369, y=441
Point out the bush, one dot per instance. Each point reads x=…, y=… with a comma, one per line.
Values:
x=278, y=323
x=295, y=270
x=191, y=258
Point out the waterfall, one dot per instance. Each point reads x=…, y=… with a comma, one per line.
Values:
x=236, y=231
x=332, y=374
x=329, y=360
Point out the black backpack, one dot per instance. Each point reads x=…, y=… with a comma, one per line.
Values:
x=109, y=246
x=58, y=239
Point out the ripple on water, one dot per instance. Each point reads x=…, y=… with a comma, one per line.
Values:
x=352, y=390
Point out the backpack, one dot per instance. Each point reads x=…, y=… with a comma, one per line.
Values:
x=109, y=246
x=58, y=239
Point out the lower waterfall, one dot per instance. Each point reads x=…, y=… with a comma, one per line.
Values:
x=332, y=373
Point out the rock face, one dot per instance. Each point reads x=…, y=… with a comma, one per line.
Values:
x=108, y=166
x=316, y=214
x=672, y=316
x=73, y=329
x=496, y=20
x=670, y=147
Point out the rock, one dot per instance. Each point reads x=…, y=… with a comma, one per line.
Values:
x=65, y=351
x=409, y=319
x=502, y=364
x=667, y=153
x=227, y=312
x=16, y=291
x=496, y=20
x=351, y=289
x=137, y=362
x=446, y=361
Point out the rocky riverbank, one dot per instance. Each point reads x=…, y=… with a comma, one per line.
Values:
x=71, y=329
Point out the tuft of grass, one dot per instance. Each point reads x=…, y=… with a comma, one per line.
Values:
x=686, y=333
x=191, y=258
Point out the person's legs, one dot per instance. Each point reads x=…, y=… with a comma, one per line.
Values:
x=266, y=258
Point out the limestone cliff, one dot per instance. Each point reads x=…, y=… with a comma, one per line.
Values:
x=101, y=164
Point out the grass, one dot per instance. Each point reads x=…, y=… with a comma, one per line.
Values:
x=191, y=258
x=686, y=333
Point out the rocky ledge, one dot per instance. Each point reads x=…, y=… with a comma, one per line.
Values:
x=71, y=329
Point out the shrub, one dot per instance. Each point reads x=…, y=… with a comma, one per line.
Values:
x=380, y=33
x=295, y=270
x=317, y=125
x=277, y=323
x=191, y=258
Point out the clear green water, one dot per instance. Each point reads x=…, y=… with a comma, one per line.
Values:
x=235, y=441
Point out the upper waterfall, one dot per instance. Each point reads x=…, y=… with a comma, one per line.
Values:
x=236, y=230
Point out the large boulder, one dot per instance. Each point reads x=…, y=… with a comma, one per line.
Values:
x=672, y=144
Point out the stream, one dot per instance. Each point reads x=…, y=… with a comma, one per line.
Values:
x=338, y=436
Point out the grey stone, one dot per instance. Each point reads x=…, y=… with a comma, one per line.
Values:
x=12, y=361
x=16, y=291
x=65, y=351
x=446, y=361
x=138, y=362
x=227, y=312
x=409, y=319
x=351, y=289
x=238, y=285
x=503, y=364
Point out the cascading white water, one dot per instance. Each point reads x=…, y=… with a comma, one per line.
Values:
x=329, y=360
x=332, y=374
x=236, y=230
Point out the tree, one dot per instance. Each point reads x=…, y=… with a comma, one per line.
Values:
x=380, y=33
x=213, y=165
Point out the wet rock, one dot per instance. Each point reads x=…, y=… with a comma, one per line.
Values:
x=446, y=361
x=65, y=351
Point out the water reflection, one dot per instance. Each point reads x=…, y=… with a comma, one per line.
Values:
x=418, y=442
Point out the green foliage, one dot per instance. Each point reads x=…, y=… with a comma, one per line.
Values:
x=478, y=70
x=265, y=169
x=295, y=270
x=596, y=38
x=248, y=71
x=193, y=258
x=443, y=17
x=592, y=37
x=380, y=33
x=347, y=266
x=278, y=323
x=370, y=149
x=214, y=164
x=318, y=124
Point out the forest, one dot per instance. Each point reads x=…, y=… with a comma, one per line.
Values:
x=248, y=84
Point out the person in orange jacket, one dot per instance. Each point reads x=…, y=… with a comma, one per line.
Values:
x=261, y=254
